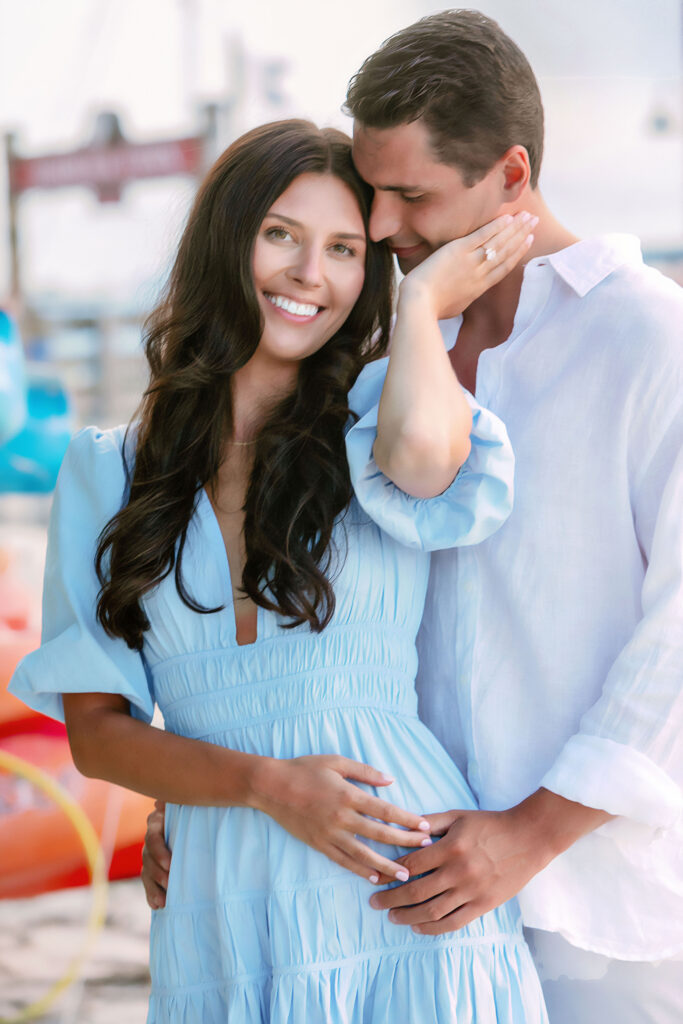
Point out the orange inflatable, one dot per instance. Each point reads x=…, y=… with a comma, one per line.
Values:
x=19, y=628
x=39, y=849
x=14, y=644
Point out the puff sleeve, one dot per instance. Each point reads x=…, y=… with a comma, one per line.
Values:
x=76, y=655
x=472, y=508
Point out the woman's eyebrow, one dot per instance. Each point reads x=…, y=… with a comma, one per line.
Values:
x=298, y=224
x=281, y=216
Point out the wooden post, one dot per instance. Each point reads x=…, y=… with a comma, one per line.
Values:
x=15, y=275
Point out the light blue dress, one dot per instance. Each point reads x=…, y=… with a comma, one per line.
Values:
x=258, y=927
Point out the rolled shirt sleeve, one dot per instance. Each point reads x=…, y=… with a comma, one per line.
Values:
x=473, y=507
x=76, y=655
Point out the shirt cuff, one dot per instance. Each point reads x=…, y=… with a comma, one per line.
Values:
x=599, y=772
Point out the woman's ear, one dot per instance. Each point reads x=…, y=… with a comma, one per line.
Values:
x=515, y=172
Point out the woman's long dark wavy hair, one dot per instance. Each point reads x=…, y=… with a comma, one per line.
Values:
x=207, y=326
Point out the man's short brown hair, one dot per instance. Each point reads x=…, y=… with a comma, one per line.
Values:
x=468, y=81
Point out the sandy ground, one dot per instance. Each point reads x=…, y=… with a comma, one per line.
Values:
x=39, y=937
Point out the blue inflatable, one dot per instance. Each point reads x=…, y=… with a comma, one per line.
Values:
x=30, y=461
x=12, y=379
x=35, y=421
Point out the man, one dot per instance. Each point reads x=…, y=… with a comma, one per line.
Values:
x=551, y=655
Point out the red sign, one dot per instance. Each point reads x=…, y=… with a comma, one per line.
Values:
x=106, y=168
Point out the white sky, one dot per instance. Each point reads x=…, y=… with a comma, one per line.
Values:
x=604, y=67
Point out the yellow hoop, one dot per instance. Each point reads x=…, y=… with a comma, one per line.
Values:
x=98, y=876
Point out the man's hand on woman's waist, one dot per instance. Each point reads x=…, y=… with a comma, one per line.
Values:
x=483, y=859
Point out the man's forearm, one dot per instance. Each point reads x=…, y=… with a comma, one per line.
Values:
x=557, y=822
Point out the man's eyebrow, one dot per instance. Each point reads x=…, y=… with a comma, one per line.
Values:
x=298, y=224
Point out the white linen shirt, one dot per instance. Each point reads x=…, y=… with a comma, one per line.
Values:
x=552, y=653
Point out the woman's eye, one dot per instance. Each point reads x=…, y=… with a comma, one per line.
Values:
x=343, y=249
x=277, y=233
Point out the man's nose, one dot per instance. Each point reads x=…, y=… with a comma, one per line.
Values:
x=385, y=218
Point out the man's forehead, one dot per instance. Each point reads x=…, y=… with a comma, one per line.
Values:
x=401, y=138
x=393, y=159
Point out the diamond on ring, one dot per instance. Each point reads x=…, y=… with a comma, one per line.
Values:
x=489, y=253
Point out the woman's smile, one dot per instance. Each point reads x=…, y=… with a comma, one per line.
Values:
x=297, y=312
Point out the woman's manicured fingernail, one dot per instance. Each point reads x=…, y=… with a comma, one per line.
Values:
x=526, y=216
x=403, y=875
x=426, y=841
x=534, y=221
x=424, y=826
x=374, y=879
x=529, y=240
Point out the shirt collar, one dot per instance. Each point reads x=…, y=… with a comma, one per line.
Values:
x=588, y=262
x=582, y=266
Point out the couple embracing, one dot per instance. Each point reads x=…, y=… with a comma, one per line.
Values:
x=293, y=516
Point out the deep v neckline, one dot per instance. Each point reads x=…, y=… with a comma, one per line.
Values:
x=217, y=539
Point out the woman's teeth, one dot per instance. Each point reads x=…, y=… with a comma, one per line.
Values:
x=298, y=308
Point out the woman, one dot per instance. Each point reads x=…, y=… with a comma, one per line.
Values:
x=243, y=588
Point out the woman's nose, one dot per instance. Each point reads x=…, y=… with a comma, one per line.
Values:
x=308, y=268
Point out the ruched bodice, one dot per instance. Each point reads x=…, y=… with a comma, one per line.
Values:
x=295, y=677
x=207, y=685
